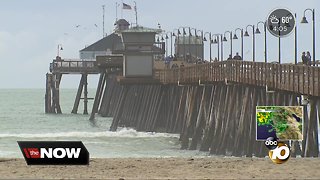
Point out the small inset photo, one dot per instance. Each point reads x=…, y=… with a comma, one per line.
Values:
x=280, y=122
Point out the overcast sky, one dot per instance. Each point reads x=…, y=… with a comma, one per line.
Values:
x=30, y=30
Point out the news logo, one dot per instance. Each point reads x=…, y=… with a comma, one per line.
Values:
x=271, y=143
x=279, y=152
x=54, y=152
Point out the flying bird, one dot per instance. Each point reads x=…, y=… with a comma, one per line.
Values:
x=95, y=25
x=78, y=26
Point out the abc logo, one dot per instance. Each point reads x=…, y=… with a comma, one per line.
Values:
x=280, y=154
x=271, y=143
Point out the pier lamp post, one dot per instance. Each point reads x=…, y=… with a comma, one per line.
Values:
x=176, y=35
x=253, y=41
x=210, y=43
x=162, y=41
x=190, y=31
x=279, y=45
x=225, y=39
x=184, y=42
x=60, y=48
x=190, y=35
x=304, y=21
x=236, y=37
x=166, y=37
x=170, y=41
x=265, y=38
x=201, y=40
x=158, y=41
x=295, y=42
x=195, y=41
x=216, y=41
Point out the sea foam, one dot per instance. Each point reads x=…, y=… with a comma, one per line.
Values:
x=123, y=132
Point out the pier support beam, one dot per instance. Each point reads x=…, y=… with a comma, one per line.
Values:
x=78, y=97
x=310, y=143
x=52, y=97
x=58, y=77
x=48, y=95
x=85, y=94
x=119, y=108
x=100, y=88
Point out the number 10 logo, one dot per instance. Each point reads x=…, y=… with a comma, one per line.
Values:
x=280, y=154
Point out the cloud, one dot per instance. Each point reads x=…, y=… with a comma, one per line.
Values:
x=30, y=31
x=25, y=56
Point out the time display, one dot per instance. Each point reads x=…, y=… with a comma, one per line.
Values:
x=280, y=28
x=281, y=22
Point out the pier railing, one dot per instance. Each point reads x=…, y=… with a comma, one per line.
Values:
x=73, y=66
x=289, y=77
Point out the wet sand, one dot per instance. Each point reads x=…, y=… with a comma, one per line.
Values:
x=167, y=168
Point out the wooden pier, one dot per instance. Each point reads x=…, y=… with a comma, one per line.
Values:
x=212, y=105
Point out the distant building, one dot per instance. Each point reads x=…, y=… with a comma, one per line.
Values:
x=189, y=45
x=106, y=45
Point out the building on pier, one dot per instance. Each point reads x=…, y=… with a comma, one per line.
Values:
x=129, y=49
x=106, y=45
x=190, y=47
x=139, y=51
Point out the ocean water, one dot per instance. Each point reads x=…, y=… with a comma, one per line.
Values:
x=22, y=118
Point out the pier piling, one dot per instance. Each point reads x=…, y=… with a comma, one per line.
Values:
x=85, y=94
x=99, y=92
x=78, y=96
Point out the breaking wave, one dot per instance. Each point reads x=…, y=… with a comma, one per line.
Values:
x=123, y=132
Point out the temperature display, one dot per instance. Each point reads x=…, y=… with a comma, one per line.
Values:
x=281, y=22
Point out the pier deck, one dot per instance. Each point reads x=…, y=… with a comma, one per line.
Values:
x=78, y=66
x=74, y=67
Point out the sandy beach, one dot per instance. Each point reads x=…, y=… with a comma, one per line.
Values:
x=167, y=168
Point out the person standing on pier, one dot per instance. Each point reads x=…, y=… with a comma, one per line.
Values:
x=237, y=57
x=304, y=58
x=308, y=57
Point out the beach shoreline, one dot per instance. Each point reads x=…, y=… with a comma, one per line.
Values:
x=166, y=168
